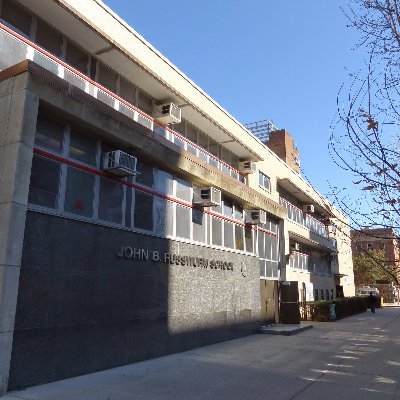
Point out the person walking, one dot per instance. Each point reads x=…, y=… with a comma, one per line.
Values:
x=372, y=302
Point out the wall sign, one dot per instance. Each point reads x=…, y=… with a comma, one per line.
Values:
x=137, y=254
x=309, y=291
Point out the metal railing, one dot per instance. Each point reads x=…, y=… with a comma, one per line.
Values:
x=15, y=48
x=306, y=220
x=311, y=264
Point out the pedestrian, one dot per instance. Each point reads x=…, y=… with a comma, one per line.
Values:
x=372, y=302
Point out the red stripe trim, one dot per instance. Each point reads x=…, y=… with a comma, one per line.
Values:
x=115, y=96
x=267, y=231
x=103, y=174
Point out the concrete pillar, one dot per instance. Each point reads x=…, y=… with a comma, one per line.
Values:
x=18, y=114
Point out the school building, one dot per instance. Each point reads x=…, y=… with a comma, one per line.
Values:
x=138, y=218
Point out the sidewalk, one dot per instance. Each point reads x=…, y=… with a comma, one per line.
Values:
x=354, y=358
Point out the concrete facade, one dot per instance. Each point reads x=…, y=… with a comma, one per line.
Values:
x=72, y=304
x=17, y=129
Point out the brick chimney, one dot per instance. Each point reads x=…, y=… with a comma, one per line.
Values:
x=282, y=144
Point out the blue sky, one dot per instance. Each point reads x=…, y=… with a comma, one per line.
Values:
x=283, y=60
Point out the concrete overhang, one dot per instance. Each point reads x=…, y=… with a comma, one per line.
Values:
x=308, y=241
x=305, y=197
x=102, y=33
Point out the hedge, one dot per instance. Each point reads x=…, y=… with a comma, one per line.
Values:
x=344, y=307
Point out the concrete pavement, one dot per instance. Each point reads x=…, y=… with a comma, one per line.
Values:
x=354, y=358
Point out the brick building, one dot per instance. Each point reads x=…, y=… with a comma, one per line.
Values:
x=379, y=239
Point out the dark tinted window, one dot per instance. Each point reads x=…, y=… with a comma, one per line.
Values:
x=76, y=58
x=48, y=38
x=16, y=16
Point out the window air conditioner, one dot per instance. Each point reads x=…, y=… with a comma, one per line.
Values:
x=168, y=113
x=247, y=167
x=256, y=217
x=119, y=163
x=295, y=246
x=309, y=208
x=207, y=197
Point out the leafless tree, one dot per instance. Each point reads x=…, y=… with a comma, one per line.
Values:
x=365, y=138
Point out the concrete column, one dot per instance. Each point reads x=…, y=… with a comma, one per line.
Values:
x=284, y=248
x=18, y=114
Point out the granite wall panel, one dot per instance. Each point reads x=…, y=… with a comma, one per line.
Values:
x=82, y=308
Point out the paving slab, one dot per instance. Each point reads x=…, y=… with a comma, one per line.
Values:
x=353, y=358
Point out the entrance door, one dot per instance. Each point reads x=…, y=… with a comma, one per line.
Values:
x=289, y=305
x=269, y=301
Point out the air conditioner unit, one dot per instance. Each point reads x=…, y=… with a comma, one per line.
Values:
x=295, y=246
x=309, y=208
x=119, y=163
x=247, y=167
x=168, y=113
x=256, y=217
x=207, y=197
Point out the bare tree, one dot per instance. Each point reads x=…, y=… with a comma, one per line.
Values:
x=364, y=139
x=379, y=24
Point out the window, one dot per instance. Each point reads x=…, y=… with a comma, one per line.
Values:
x=216, y=226
x=322, y=294
x=191, y=133
x=228, y=235
x=82, y=148
x=182, y=222
x=43, y=189
x=146, y=175
x=198, y=220
x=163, y=223
x=49, y=133
x=228, y=208
x=369, y=246
x=143, y=211
x=264, y=181
x=77, y=58
x=381, y=246
x=110, y=201
x=316, y=294
x=213, y=148
x=248, y=235
x=79, y=192
x=239, y=237
x=16, y=16
x=164, y=182
x=180, y=128
x=145, y=103
x=238, y=214
x=262, y=268
x=127, y=91
x=48, y=38
x=261, y=245
x=183, y=190
x=107, y=77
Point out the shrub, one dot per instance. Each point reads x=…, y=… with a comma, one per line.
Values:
x=344, y=307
